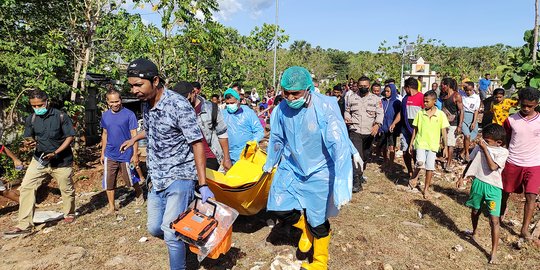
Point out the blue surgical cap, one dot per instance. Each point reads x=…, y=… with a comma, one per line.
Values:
x=296, y=78
x=232, y=92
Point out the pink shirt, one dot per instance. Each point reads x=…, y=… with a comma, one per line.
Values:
x=524, y=143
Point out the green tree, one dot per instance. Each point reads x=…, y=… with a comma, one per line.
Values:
x=521, y=71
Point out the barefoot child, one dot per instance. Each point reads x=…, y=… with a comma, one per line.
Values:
x=522, y=170
x=10, y=194
x=471, y=104
x=428, y=124
x=487, y=163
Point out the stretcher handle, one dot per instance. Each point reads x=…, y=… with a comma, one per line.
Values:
x=207, y=201
x=246, y=150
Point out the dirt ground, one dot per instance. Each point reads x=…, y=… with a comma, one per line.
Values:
x=386, y=226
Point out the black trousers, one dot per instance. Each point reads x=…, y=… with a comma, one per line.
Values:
x=363, y=145
x=212, y=163
x=292, y=216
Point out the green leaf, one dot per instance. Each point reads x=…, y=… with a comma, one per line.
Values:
x=526, y=51
x=517, y=78
x=527, y=36
x=535, y=82
x=527, y=67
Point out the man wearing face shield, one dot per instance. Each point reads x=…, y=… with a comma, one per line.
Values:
x=312, y=151
x=364, y=115
x=51, y=132
x=243, y=125
x=214, y=129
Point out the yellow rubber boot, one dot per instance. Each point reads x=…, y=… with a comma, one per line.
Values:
x=306, y=239
x=320, y=255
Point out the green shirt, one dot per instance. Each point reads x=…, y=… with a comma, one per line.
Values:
x=428, y=135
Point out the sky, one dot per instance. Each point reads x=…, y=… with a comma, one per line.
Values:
x=361, y=25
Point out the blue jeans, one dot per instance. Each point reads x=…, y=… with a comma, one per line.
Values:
x=163, y=208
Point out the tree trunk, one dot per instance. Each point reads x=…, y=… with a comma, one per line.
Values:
x=535, y=43
x=76, y=77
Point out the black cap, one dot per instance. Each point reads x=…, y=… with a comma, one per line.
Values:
x=142, y=68
x=183, y=88
x=196, y=85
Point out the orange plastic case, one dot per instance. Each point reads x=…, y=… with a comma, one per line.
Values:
x=193, y=226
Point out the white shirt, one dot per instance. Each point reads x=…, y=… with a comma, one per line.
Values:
x=254, y=97
x=347, y=96
x=471, y=103
x=480, y=169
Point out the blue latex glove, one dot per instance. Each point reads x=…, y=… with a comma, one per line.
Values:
x=205, y=193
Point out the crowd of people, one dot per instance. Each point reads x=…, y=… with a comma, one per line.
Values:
x=318, y=144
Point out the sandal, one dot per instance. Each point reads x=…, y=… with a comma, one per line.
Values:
x=139, y=200
x=413, y=184
x=18, y=231
x=69, y=219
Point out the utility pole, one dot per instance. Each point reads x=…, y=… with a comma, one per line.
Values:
x=276, y=42
x=535, y=42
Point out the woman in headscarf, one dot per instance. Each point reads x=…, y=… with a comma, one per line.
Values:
x=390, y=128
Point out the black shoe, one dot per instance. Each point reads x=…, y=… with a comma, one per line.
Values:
x=356, y=184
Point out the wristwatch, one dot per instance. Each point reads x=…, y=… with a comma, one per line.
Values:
x=197, y=187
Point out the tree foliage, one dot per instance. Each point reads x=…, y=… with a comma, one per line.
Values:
x=520, y=70
x=51, y=45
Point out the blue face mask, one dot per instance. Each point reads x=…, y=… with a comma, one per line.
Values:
x=297, y=103
x=40, y=111
x=232, y=108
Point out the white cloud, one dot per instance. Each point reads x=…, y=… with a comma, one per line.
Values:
x=228, y=8
x=199, y=15
x=260, y=5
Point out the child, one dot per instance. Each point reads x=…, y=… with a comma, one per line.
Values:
x=428, y=125
x=10, y=194
x=522, y=170
x=487, y=162
x=501, y=106
x=471, y=104
x=389, y=132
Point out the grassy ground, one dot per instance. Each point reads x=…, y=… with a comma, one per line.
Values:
x=383, y=226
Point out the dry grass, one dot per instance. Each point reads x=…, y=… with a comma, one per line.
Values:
x=368, y=234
